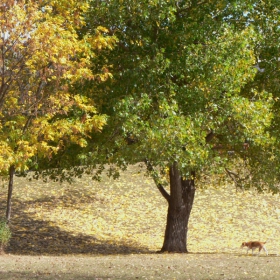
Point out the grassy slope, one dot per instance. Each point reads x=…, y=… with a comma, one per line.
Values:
x=128, y=215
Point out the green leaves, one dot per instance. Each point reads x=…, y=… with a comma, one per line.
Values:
x=180, y=72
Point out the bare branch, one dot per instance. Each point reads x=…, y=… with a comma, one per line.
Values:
x=209, y=136
x=235, y=177
x=154, y=175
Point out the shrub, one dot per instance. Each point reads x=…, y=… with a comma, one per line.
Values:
x=5, y=234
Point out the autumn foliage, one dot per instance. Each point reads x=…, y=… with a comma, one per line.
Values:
x=41, y=58
x=191, y=85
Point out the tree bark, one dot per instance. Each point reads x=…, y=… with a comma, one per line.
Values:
x=180, y=204
x=10, y=192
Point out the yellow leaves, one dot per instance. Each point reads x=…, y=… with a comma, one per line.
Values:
x=99, y=41
x=6, y=156
x=95, y=123
x=102, y=29
x=42, y=57
x=63, y=60
x=11, y=101
x=25, y=149
x=51, y=38
x=84, y=103
x=131, y=212
x=46, y=150
x=224, y=217
x=70, y=10
x=18, y=158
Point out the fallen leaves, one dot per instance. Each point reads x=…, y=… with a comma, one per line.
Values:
x=226, y=218
x=129, y=215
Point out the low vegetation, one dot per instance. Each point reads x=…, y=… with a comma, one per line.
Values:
x=5, y=234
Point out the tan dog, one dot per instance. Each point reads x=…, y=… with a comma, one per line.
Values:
x=252, y=245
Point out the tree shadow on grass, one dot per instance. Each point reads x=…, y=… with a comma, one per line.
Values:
x=37, y=237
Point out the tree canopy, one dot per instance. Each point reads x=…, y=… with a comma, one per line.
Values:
x=43, y=58
x=193, y=91
x=185, y=87
x=187, y=98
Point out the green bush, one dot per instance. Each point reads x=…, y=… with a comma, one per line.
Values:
x=5, y=234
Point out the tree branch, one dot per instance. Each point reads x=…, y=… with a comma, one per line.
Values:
x=154, y=175
x=164, y=193
x=231, y=174
x=209, y=136
x=235, y=177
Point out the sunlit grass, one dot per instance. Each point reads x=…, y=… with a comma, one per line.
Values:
x=114, y=216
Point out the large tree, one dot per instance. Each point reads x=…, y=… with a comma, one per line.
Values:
x=185, y=99
x=42, y=59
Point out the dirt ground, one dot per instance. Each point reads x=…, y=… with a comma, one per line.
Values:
x=141, y=266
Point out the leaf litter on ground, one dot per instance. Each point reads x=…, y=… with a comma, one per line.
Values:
x=128, y=215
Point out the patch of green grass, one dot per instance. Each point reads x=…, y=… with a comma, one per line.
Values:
x=5, y=234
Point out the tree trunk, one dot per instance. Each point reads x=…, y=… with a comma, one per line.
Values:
x=10, y=191
x=180, y=203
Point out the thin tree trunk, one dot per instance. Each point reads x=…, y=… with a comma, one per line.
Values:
x=180, y=204
x=10, y=192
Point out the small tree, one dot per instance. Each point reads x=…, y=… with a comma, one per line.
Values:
x=42, y=59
